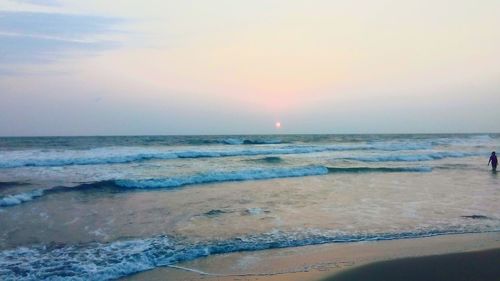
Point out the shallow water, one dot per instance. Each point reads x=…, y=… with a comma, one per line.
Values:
x=106, y=207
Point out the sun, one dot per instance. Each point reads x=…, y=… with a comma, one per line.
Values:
x=277, y=125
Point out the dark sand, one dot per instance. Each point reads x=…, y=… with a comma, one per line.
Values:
x=471, y=266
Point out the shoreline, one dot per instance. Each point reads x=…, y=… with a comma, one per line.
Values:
x=320, y=262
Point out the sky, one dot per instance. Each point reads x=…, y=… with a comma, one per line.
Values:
x=132, y=67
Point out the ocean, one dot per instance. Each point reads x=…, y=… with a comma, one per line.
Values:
x=102, y=208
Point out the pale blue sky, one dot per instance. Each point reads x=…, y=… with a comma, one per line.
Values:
x=220, y=67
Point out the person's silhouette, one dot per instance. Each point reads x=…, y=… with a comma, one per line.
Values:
x=493, y=161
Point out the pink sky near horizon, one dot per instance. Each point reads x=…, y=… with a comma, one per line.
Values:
x=239, y=67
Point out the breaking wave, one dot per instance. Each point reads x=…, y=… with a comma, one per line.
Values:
x=16, y=199
x=258, y=174
x=98, y=261
x=255, y=174
x=205, y=178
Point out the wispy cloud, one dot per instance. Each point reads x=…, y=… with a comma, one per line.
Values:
x=28, y=37
x=40, y=2
x=56, y=24
x=47, y=37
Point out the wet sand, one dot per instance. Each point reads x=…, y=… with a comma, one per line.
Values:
x=346, y=261
x=480, y=265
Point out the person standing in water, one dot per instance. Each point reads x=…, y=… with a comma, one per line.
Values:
x=493, y=161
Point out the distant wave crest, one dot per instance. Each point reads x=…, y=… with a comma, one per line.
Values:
x=414, y=157
x=117, y=156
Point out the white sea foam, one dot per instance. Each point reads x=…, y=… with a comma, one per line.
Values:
x=255, y=211
x=11, y=200
x=232, y=141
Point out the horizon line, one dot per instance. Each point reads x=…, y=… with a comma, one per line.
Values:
x=235, y=134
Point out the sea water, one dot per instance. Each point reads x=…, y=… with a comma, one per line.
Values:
x=100, y=208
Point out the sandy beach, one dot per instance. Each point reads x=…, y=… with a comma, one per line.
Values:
x=432, y=256
x=478, y=265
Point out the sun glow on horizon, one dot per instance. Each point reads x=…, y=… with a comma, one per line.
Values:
x=174, y=67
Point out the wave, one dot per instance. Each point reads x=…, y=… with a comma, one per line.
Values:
x=99, y=156
x=56, y=162
x=205, y=178
x=255, y=174
x=414, y=157
x=99, y=261
x=467, y=140
x=16, y=199
x=171, y=182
